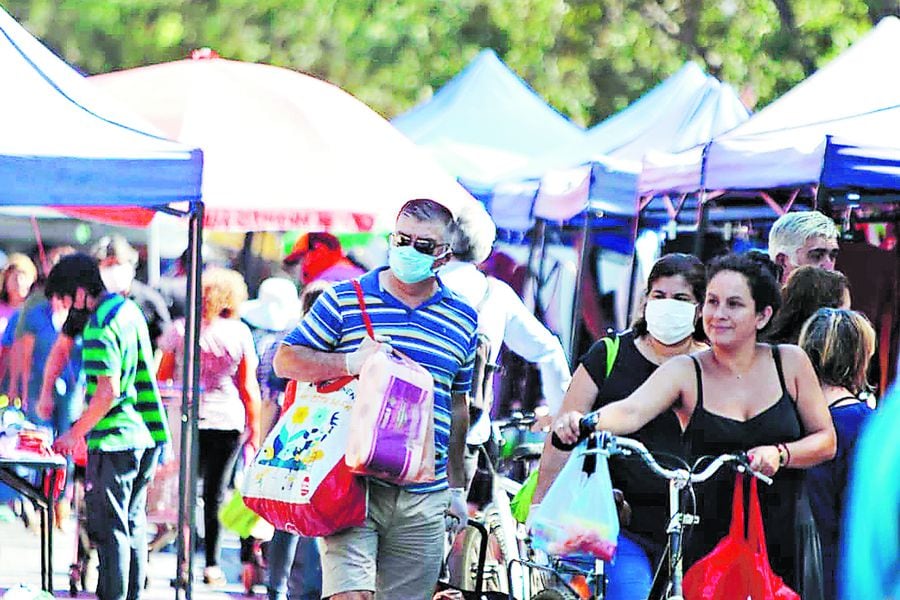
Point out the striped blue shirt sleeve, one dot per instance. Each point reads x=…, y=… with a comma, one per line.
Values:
x=321, y=328
x=462, y=383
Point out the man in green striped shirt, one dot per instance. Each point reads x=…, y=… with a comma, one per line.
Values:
x=124, y=424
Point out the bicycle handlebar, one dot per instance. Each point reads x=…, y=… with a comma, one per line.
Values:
x=516, y=420
x=615, y=445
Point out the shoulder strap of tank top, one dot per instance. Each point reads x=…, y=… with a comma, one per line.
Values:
x=699, y=381
x=776, y=355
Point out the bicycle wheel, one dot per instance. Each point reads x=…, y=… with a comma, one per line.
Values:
x=463, y=560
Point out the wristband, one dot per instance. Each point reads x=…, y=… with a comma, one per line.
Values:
x=784, y=455
x=347, y=363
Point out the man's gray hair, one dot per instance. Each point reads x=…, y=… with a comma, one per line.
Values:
x=475, y=234
x=424, y=209
x=791, y=230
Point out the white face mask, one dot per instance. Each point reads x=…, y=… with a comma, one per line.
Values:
x=117, y=278
x=669, y=320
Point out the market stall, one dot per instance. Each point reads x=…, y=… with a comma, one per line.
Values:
x=67, y=146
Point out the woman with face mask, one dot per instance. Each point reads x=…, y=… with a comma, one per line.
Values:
x=666, y=327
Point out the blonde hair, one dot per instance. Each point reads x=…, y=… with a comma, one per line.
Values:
x=16, y=262
x=224, y=290
x=840, y=343
x=791, y=230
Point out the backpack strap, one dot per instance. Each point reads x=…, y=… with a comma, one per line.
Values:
x=612, y=352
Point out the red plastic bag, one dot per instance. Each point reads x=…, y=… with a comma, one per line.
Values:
x=770, y=585
x=725, y=572
x=738, y=567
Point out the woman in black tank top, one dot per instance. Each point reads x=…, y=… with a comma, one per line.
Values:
x=738, y=395
x=711, y=434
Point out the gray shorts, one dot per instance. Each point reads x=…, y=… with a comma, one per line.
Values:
x=397, y=553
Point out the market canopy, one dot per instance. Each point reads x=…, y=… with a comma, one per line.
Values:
x=687, y=108
x=852, y=163
x=855, y=95
x=282, y=150
x=486, y=121
x=66, y=144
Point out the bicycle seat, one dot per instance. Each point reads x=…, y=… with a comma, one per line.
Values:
x=527, y=451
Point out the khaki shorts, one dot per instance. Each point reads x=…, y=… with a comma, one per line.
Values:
x=397, y=553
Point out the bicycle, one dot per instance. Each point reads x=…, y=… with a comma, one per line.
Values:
x=506, y=540
x=679, y=479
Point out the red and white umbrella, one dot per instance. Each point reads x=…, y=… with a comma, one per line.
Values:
x=282, y=150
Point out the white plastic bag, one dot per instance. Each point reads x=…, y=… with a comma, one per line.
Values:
x=578, y=515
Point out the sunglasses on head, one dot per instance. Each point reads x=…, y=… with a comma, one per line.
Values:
x=421, y=245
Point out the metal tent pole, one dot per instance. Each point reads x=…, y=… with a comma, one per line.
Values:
x=187, y=479
x=575, y=338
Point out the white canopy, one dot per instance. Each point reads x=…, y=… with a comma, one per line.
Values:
x=856, y=94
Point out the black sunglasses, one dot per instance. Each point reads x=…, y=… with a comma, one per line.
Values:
x=421, y=245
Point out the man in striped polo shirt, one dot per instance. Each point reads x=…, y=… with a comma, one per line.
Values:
x=398, y=551
x=124, y=424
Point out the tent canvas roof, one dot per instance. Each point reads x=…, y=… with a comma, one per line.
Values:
x=486, y=121
x=687, y=108
x=282, y=150
x=65, y=144
x=784, y=144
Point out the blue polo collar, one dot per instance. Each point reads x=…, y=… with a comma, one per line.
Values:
x=372, y=285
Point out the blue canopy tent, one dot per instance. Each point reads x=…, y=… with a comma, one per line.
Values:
x=851, y=164
x=65, y=145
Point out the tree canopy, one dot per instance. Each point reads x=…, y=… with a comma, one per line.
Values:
x=588, y=58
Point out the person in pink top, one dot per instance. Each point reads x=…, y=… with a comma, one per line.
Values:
x=321, y=258
x=229, y=396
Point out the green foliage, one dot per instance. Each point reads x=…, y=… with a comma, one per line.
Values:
x=588, y=58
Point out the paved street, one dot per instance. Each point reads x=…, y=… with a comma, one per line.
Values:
x=20, y=564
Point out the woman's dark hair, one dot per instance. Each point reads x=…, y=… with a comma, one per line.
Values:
x=761, y=275
x=74, y=271
x=671, y=265
x=807, y=290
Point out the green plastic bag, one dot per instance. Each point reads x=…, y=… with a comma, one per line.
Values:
x=236, y=517
x=521, y=502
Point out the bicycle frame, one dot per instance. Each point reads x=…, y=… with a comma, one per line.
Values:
x=678, y=479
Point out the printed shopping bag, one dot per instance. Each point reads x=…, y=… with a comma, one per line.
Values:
x=393, y=421
x=299, y=481
x=578, y=515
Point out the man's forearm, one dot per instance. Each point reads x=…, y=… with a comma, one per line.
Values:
x=97, y=408
x=459, y=426
x=305, y=364
x=56, y=362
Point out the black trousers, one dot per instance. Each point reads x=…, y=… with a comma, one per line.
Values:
x=218, y=454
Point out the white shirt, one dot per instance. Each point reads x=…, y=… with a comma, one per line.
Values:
x=505, y=319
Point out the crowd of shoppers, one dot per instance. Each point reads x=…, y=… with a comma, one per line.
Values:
x=711, y=365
